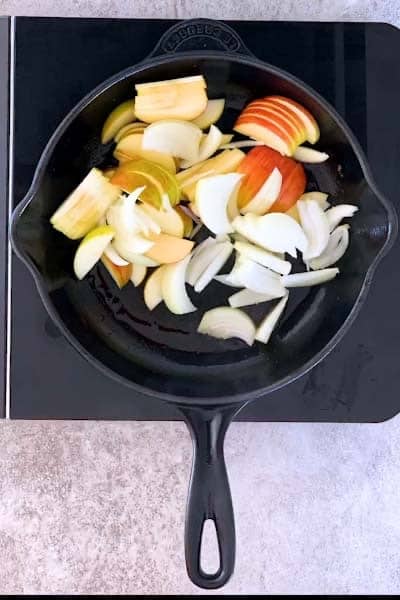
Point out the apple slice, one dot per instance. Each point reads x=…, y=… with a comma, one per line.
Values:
x=170, y=221
x=211, y=114
x=226, y=139
x=266, y=195
x=266, y=327
x=212, y=198
x=121, y=115
x=152, y=292
x=132, y=246
x=177, y=138
x=138, y=274
x=131, y=148
x=169, y=249
x=120, y=273
x=173, y=288
x=276, y=232
x=187, y=221
x=208, y=146
x=285, y=124
x=266, y=132
x=308, y=120
x=114, y=257
x=131, y=128
x=91, y=249
x=183, y=98
x=281, y=112
x=225, y=322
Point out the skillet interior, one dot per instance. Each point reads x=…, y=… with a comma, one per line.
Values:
x=163, y=352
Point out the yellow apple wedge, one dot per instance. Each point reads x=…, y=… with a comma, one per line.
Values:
x=121, y=115
x=120, y=273
x=130, y=147
x=91, y=248
x=174, y=137
x=169, y=249
x=211, y=114
x=137, y=127
x=173, y=288
x=183, y=98
x=170, y=221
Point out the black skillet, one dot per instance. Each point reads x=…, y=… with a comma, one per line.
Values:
x=159, y=353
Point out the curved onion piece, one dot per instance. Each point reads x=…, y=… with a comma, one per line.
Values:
x=226, y=322
x=319, y=197
x=309, y=155
x=152, y=293
x=309, y=278
x=337, y=246
x=224, y=252
x=174, y=137
x=266, y=327
x=266, y=196
x=339, y=212
x=247, y=298
x=173, y=288
x=201, y=258
x=226, y=139
x=242, y=144
x=316, y=227
x=142, y=260
x=213, y=195
x=263, y=257
x=227, y=279
x=146, y=223
x=131, y=247
x=276, y=232
x=254, y=277
x=115, y=258
x=138, y=274
x=208, y=146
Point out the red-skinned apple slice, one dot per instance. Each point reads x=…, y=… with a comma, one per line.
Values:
x=281, y=110
x=308, y=120
x=283, y=122
x=120, y=273
x=292, y=188
x=266, y=195
x=267, y=132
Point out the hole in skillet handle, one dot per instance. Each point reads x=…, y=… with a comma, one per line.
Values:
x=209, y=493
x=200, y=35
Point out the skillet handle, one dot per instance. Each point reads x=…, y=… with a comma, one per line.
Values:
x=200, y=35
x=209, y=493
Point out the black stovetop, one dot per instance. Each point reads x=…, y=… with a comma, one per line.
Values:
x=355, y=66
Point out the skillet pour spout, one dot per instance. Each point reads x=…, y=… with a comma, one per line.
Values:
x=163, y=355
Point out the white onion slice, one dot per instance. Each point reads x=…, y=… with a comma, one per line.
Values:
x=212, y=269
x=319, y=197
x=266, y=195
x=212, y=198
x=134, y=257
x=266, y=327
x=227, y=279
x=174, y=137
x=129, y=246
x=337, y=246
x=254, y=277
x=201, y=259
x=138, y=274
x=173, y=288
x=146, y=223
x=242, y=144
x=115, y=258
x=337, y=213
x=226, y=322
x=152, y=292
x=309, y=278
x=309, y=155
x=208, y=146
x=276, y=232
x=263, y=257
x=247, y=298
x=316, y=227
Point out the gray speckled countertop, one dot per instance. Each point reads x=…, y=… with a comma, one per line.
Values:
x=99, y=507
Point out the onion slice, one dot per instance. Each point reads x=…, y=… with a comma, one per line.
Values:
x=213, y=195
x=138, y=274
x=208, y=146
x=250, y=275
x=263, y=257
x=174, y=137
x=319, y=197
x=152, y=292
x=337, y=246
x=173, y=288
x=242, y=144
x=115, y=258
x=316, y=227
x=247, y=298
x=337, y=213
x=224, y=252
x=266, y=327
x=310, y=278
x=266, y=196
x=309, y=155
x=276, y=232
x=226, y=322
x=201, y=258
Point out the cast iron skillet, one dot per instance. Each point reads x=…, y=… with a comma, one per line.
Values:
x=159, y=353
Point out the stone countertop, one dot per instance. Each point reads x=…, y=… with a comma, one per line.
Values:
x=99, y=507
